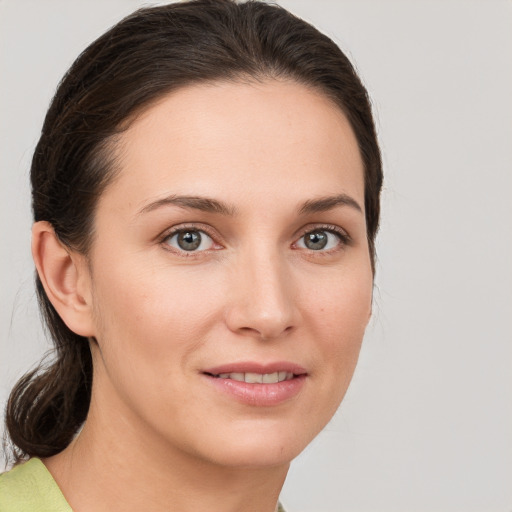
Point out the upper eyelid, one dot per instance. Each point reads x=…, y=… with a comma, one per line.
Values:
x=344, y=240
x=191, y=226
x=324, y=227
x=174, y=230
x=215, y=235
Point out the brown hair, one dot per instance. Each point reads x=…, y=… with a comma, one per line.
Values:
x=146, y=55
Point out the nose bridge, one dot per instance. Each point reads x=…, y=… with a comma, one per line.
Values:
x=264, y=299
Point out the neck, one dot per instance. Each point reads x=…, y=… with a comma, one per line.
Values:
x=114, y=465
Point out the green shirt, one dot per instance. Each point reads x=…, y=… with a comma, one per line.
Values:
x=30, y=487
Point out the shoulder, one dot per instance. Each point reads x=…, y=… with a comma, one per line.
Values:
x=30, y=487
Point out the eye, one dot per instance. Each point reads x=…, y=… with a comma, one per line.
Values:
x=190, y=240
x=320, y=240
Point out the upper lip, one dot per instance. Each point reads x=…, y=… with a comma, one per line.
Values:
x=254, y=367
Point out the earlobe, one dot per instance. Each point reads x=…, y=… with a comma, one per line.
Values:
x=65, y=278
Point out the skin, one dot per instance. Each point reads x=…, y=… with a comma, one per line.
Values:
x=159, y=316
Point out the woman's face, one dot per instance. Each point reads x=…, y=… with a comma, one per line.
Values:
x=230, y=274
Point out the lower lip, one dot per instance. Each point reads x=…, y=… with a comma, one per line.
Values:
x=260, y=395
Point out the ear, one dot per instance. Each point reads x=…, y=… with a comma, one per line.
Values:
x=65, y=277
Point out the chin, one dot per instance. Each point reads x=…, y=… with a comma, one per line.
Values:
x=257, y=456
x=262, y=444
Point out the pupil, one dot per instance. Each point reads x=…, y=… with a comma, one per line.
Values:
x=316, y=240
x=189, y=240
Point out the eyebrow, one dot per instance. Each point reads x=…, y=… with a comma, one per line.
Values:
x=204, y=204
x=210, y=205
x=323, y=204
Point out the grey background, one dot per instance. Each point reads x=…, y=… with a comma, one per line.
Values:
x=427, y=422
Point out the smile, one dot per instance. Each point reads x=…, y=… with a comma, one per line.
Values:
x=257, y=378
x=260, y=385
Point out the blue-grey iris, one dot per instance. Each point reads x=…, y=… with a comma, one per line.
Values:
x=189, y=240
x=315, y=240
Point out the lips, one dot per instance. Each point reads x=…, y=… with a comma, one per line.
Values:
x=258, y=384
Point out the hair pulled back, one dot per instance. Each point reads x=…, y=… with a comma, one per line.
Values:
x=146, y=55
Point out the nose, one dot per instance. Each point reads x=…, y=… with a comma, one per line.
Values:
x=263, y=302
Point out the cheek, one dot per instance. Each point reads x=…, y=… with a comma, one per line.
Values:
x=151, y=322
x=153, y=315
x=339, y=314
x=340, y=303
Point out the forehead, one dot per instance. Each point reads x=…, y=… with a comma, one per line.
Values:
x=245, y=140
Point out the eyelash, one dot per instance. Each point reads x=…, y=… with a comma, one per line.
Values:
x=342, y=235
x=184, y=228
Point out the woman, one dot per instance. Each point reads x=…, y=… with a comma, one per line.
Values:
x=206, y=200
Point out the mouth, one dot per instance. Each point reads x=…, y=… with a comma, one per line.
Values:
x=255, y=378
x=258, y=385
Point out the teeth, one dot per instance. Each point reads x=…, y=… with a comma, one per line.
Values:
x=240, y=377
x=270, y=378
x=253, y=378
x=257, y=378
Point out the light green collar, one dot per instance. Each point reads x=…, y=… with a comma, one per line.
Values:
x=29, y=487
